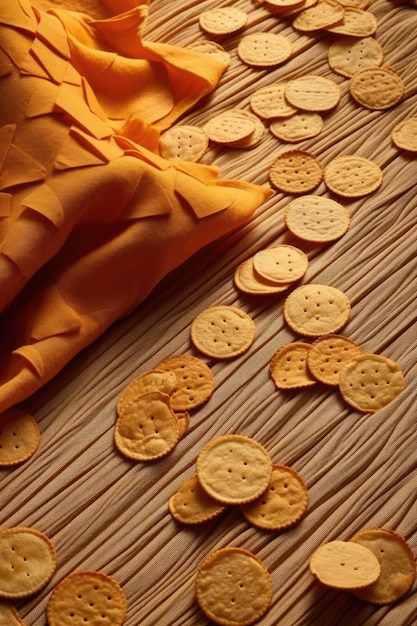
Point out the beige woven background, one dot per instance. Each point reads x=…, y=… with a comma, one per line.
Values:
x=105, y=512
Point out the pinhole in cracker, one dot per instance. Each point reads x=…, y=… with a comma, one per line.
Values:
x=19, y=436
x=191, y=504
x=344, y=565
x=223, y=331
x=288, y=366
x=313, y=310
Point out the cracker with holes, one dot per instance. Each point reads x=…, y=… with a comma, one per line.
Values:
x=288, y=366
x=327, y=356
x=352, y=176
x=316, y=218
x=283, y=6
x=296, y=172
x=282, y=263
x=9, y=615
x=344, y=565
x=269, y=102
x=194, y=381
x=27, y=562
x=183, y=143
x=370, y=381
x=404, y=134
x=19, y=436
x=148, y=428
x=191, y=504
x=87, y=597
x=229, y=127
x=356, y=23
x=313, y=310
x=347, y=56
x=398, y=566
x=223, y=20
x=264, y=49
x=313, y=93
x=234, y=469
x=300, y=126
x=247, y=280
x=223, y=332
x=152, y=380
x=233, y=587
x=255, y=137
x=324, y=14
x=282, y=505
x=377, y=88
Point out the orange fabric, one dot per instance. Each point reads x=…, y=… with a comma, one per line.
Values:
x=91, y=216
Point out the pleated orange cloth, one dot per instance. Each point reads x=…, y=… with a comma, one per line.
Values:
x=92, y=218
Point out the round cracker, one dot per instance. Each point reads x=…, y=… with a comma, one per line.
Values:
x=223, y=20
x=356, y=23
x=370, y=381
x=316, y=218
x=88, y=597
x=398, y=566
x=233, y=587
x=194, y=381
x=269, y=102
x=28, y=561
x=254, y=138
x=264, y=49
x=352, y=176
x=404, y=134
x=152, y=380
x=313, y=93
x=347, y=56
x=282, y=263
x=313, y=310
x=300, y=126
x=376, y=88
x=19, y=436
x=183, y=143
x=344, y=565
x=288, y=366
x=234, y=469
x=147, y=429
x=246, y=279
x=229, y=127
x=222, y=332
x=324, y=14
x=282, y=505
x=191, y=504
x=295, y=171
x=327, y=356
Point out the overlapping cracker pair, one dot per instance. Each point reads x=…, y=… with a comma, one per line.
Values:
x=28, y=561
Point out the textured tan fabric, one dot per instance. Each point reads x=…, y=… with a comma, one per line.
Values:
x=108, y=513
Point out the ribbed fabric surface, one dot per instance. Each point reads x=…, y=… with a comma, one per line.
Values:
x=105, y=512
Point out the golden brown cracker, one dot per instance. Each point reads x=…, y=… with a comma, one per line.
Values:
x=376, y=88
x=151, y=380
x=370, y=381
x=148, y=428
x=314, y=309
x=264, y=49
x=233, y=587
x=316, y=218
x=229, y=127
x=356, y=23
x=87, y=597
x=347, y=56
x=282, y=263
x=194, y=381
x=352, y=176
x=327, y=356
x=322, y=15
x=223, y=20
x=404, y=134
x=296, y=172
x=269, y=102
x=283, y=504
x=28, y=561
x=344, y=565
x=9, y=615
x=312, y=92
x=183, y=142
x=288, y=366
x=19, y=436
x=398, y=566
x=234, y=469
x=191, y=504
x=223, y=331
x=246, y=279
x=297, y=127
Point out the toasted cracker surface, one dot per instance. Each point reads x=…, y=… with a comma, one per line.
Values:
x=288, y=366
x=313, y=310
x=264, y=49
x=352, y=176
x=327, y=356
x=191, y=504
x=19, y=436
x=233, y=587
x=194, y=381
x=295, y=171
x=223, y=331
x=344, y=565
x=234, y=469
x=316, y=218
x=376, y=88
x=282, y=263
